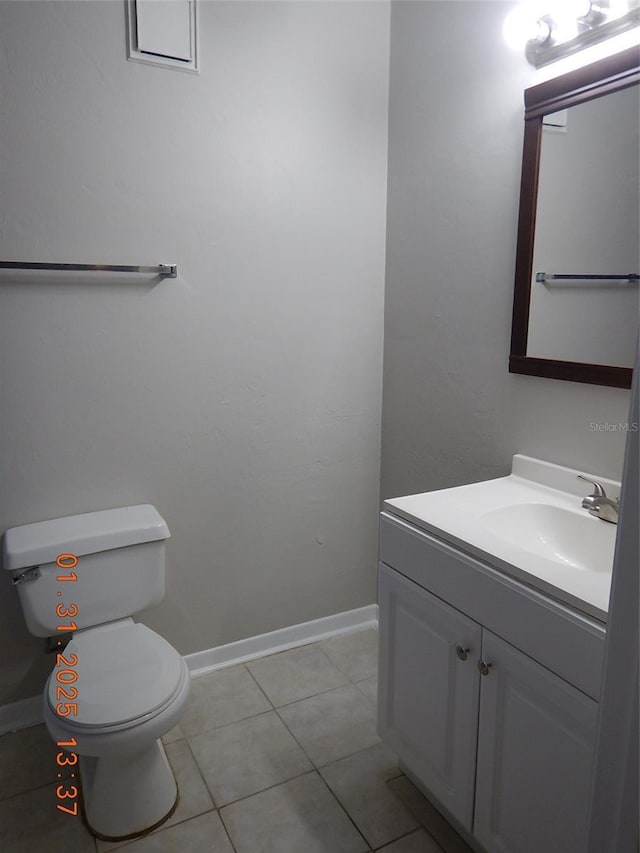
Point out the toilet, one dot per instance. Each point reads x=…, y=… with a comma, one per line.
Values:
x=98, y=569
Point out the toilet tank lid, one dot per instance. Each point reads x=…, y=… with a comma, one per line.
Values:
x=44, y=541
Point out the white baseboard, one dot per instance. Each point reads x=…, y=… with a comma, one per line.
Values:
x=200, y=663
x=28, y=712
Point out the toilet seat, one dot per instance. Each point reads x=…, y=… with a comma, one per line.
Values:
x=126, y=673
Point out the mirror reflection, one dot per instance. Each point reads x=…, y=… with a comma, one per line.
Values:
x=587, y=224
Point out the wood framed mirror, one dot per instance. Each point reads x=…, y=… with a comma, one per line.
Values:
x=577, y=295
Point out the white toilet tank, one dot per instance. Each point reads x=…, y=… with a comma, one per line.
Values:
x=116, y=557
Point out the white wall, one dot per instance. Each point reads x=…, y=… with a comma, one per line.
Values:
x=452, y=413
x=242, y=399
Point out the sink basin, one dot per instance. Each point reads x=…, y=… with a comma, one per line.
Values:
x=577, y=540
x=529, y=525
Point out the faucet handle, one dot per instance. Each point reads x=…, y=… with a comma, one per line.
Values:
x=599, y=491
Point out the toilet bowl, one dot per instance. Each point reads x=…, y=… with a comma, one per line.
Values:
x=117, y=686
x=134, y=687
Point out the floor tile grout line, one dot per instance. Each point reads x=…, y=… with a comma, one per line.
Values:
x=336, y=664
x=158, y=831
x=257, y=683
x=226, y=725
x=313, y=772
x=333, y=663
x=201, y=774
x=313, y=695
x=227, y=832
x=420, y=828
x=321, y=693
x=324, y=781
x=366, y=678
x=351, y=755
x=186, y=736
x=273, y=707
x=428, y=829
x=319, y=766
x=302, y=698
x=318, y=770
x=268, y=788
x=313, y=768
x=29, y=790
x=366, y=698
x=262, y=714
x=393, y=778
x=335, y=797
x=284, y=723
x=164, y=827
x=219, y=808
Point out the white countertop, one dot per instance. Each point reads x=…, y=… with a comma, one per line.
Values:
x=529, y=525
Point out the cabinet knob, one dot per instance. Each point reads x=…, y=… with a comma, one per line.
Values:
x=462, y=652
x=484, y=667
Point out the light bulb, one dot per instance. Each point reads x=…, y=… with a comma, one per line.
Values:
x=597, y=14
x=522, y=24
x=566, y=15
x=565, y=30
x=618, y=8
x=574, y=8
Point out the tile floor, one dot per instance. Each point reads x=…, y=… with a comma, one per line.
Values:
x=279, y=755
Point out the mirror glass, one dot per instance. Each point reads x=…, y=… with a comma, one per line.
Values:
x=576, y=298
x=587, y=223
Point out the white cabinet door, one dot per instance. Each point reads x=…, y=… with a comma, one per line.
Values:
x=536, y=744
x=428, y=697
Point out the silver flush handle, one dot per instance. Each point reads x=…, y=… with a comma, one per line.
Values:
x=25, y=576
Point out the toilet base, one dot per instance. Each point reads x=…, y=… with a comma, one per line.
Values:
x=129, y=795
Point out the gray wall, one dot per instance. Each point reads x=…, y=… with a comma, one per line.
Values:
x=243, y=399
x=452, y=413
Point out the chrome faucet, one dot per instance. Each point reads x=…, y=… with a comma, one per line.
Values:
x=599, y=504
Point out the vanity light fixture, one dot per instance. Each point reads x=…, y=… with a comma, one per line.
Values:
x=551, y=29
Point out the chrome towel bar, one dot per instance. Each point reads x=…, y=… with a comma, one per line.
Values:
x=546, y=276
x=163, y=270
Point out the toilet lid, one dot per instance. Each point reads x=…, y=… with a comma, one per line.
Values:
x=124, y=671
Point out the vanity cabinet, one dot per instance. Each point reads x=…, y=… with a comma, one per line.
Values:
x=536, y=746
x=470, y=703
x=430, y=713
